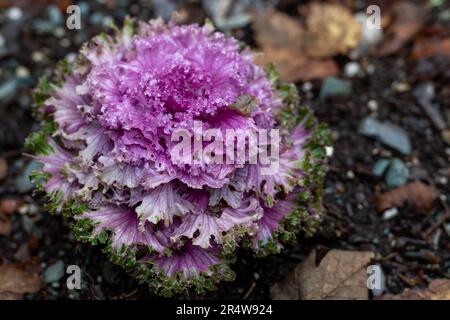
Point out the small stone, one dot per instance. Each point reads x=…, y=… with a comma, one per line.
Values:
x=397, y=174
x=390, y=213
x=28, y=224
x=401, y=86
x=22, y=72
x=352, y=69
x=442, y=180
x=84, y=8
x=37, y=56
x=425, y=91
x=54, y=272
x=14, y=13
x=3, y=168
x=388, y=133
x=107, y=21
x=59, y=32
x=22, y=182
x=329, y=151
x=65, y=43
x=444, y=15
x=372, y=105
x=55, y=15
x=371, y=69
x=380, y=167
x=164, y=8
x=447, y=229
x=335, y=87
x=96, y=18
x=350, y=174
x=8, y=90
x=307, y=86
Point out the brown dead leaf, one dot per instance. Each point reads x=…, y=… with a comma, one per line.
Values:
x=418, y=194
x=16, y=280
x=430, y=47
x=274, y=29
x=294, y=66
x=331, y=30
x=281, y=39
x=10, y=296
x=340, y=275
x=407, y=20
x=438, y=289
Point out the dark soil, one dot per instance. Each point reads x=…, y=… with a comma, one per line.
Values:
x=410, y=253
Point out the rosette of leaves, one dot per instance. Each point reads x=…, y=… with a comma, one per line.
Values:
x=105, y=142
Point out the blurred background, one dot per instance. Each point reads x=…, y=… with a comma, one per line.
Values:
x=378, y=78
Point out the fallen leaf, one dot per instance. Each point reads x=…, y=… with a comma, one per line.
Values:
x=438, y=289
x=418, y=194
x=10, y=296
x=430, y=47
x=407, y=19
x=331, y=30
x=294, y=66
x=274, y=29
x=281, y=39
x=16, y=280
x=339, y=275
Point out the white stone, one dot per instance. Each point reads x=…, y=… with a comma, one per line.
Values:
x=14, y=13
x=352, y=69
x=390, y=213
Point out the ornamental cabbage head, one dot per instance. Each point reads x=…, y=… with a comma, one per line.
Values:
x=108, y=122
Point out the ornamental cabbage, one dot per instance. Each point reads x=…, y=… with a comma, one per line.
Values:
x=108, y=122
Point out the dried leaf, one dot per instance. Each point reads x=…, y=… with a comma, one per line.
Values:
x=331, y=30
x=438, y=289
x=281, y=39
x=430, y=47
x=294, y=66
x=274, y=29
x=10, y=296
x=15, y=280
x=407, y=20
x=417, y=194
x=340, y=275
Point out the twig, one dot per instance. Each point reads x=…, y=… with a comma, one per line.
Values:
x=250, y=290
x=433, y=113
x=438, y=223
